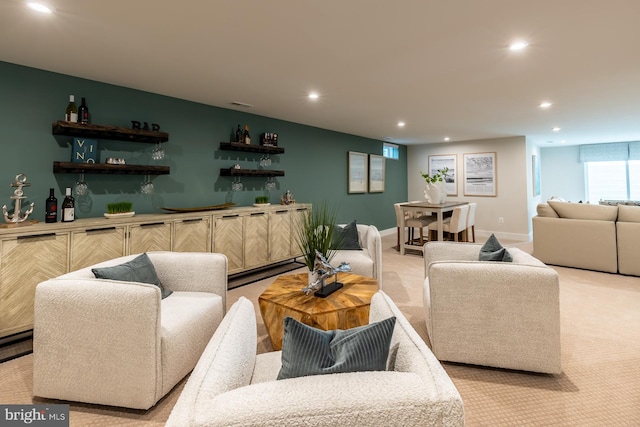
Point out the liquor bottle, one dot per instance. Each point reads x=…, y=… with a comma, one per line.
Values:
x=68, y=206
x=71, y=114
x=245, y=136
x=238, y=134
x=83, y=113
x=51, y=213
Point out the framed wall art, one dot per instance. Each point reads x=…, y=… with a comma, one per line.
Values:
x=357, y=172
x=449, y=161
x=376, y=173
x=480, y=174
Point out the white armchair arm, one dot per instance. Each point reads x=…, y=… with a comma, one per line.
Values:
x=192, y=271
x=88, y=329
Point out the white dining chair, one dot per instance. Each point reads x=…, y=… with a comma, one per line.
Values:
x=454, y=225
x=471, y=223
x=411, y=223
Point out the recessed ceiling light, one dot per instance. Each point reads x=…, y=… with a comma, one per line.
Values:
x=446, y=138
x=313, y=95
x=563, y=141
x=401, y=124
x=545, y=104
x=519, y=45
x=556, y=129
x=39, y=7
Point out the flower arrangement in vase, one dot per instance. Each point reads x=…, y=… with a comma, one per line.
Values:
x=436, y=188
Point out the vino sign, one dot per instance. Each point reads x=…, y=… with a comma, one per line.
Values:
x=84, y=151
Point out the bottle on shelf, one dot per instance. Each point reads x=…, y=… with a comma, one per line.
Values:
x=51, y=209
x=238, y=134
x=83, y=112
x=71, y=115
x=68, y=206
x=245, y=136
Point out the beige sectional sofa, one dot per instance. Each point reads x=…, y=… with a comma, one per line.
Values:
x=593, y=237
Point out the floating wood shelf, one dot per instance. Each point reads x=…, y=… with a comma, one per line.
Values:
x=250, y=172
x=70, y=167
x=107, y=132
x=253, y=148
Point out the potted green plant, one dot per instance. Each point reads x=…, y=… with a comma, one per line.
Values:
x=261, y=201
x=436, y=188
x=119, y=209
x=315, y=233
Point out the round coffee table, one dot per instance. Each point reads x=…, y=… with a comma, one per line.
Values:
x=346, y=308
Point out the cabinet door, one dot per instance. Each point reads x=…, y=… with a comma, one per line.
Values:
x=227, y=238
x=280, y=235
x=27, y=261
x=297, y=217
x=256, y=240
x=96, y=245
x=154, y=236
x=192, y=235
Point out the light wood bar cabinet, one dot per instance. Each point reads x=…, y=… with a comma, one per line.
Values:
x=250, y=237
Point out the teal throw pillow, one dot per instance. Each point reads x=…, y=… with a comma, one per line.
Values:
x=310, y=351
x=140, y=269
x=346, y=238
x=492, y=250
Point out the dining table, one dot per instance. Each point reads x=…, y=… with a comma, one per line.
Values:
x=438, y=208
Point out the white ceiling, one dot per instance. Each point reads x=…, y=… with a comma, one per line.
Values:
x=442, y=66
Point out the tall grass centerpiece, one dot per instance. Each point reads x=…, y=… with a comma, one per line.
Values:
x=315, y=233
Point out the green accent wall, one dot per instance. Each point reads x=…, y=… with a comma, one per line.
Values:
x=315, y=160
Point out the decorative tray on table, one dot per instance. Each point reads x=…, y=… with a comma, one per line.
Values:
x=201, y=208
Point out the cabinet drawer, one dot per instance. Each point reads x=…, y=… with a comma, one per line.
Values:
x=96, y=245
x=153, y=236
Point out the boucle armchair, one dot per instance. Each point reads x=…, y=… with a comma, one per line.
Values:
x=231, y=385
x=368, y=261
x=118, y=343
x=500, y=314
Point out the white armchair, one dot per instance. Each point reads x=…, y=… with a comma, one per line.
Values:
x=118, y=343
x=368, y=261
x=500, y=314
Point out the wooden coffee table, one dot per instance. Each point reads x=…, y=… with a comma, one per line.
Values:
x=346, y=308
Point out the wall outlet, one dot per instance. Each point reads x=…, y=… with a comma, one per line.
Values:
x=500, y=220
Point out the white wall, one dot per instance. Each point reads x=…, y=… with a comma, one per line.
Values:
x=562, y=173
x=514, y=191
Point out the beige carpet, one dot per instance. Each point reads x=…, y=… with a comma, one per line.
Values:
x=599, y=386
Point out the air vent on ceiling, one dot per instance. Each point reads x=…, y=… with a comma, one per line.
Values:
x=241, y=104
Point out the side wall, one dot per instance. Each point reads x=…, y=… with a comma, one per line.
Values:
x=562, y=173
x=315, y=160
x=514, y=192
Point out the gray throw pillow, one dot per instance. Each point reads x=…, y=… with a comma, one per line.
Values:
x=492, y=250
x=140, y=269
x=345, y=238
x=311, y=351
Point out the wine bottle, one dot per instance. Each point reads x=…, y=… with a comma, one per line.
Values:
x=83, y=113
x=245, y=136
x=71, y=115
x=68, y=206
x=238, y=134
x=51, y=209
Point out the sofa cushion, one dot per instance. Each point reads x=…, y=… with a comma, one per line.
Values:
x=492, y=250
x=345, y=237
x=310, y=351
x=544, y=209
x=584, y=211
x=628, y=213
x=140, y=269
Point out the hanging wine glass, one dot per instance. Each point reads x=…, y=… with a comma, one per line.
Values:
x=81, y=188
x=237, y=184
x=158, y=152
x=271, y=184
x=146, y=187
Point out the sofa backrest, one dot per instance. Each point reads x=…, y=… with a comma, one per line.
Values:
x=584, y=211
x=628, y=213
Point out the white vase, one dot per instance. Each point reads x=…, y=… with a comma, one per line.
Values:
x=436, y=193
